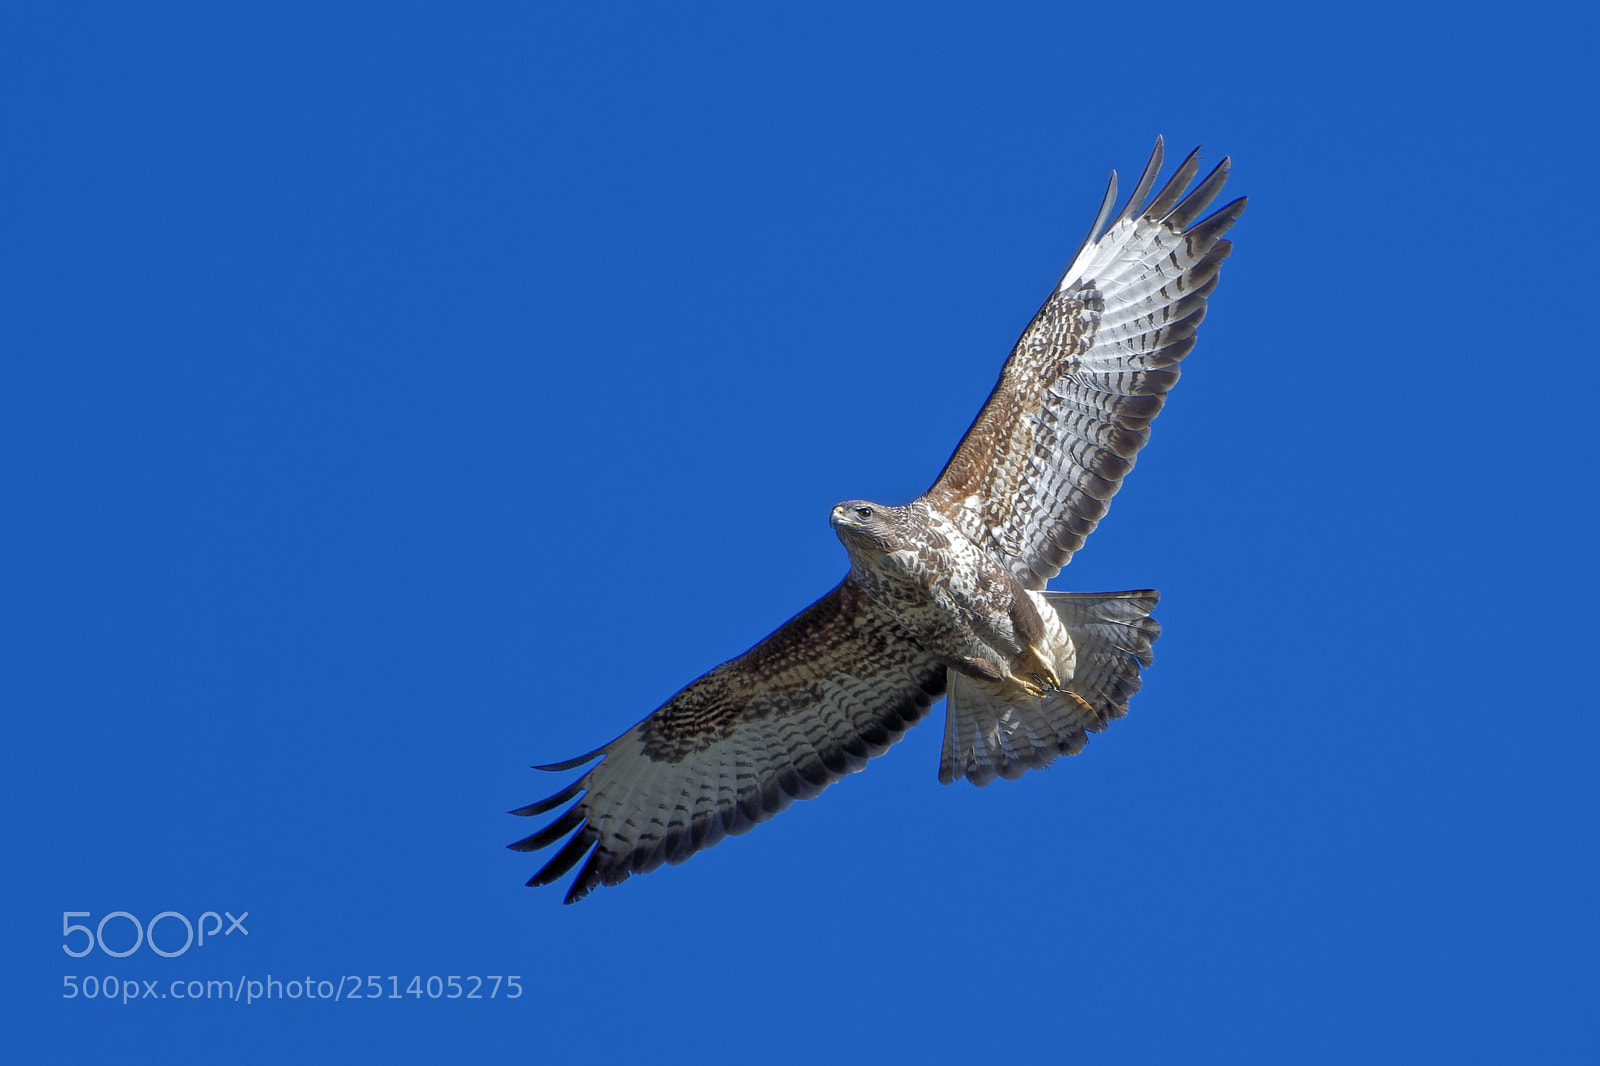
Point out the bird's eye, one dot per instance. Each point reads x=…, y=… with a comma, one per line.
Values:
x=864, y=512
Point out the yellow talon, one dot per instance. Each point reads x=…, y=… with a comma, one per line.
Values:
x=1044, y=667
x=1027, y=685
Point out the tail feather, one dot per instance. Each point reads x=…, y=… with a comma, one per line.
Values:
x=986, y=737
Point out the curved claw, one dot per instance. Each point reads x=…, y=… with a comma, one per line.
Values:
x=1029, y=686
x=1043, y=666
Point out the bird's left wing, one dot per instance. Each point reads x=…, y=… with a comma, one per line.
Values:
x=1037, y=470
x=830, y=689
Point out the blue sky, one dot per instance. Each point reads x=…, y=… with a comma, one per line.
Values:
x=400, y=395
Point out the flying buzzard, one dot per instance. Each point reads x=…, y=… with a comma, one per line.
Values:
x=945, y=594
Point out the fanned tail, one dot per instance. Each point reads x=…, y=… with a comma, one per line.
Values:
x=986, y=737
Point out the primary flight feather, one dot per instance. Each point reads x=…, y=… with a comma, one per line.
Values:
x=945, y=595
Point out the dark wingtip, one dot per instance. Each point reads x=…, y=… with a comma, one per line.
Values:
x=565, y=859
x=552, y=802
x=1170, y=193
x=1152, y=169
x=1183, y=214
x=553, y=832
x=589, y=878
x=557, y=767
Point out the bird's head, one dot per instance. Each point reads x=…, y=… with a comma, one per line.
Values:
x=865, y=528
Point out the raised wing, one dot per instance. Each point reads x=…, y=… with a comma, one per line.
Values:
x=1037, y=470
x=830, y=689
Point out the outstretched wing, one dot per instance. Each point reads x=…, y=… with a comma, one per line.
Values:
x=1037, y=470
x=827, y=691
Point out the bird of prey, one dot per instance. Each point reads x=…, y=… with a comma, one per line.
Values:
x=945, y=595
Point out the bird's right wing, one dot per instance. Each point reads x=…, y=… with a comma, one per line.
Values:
x=830, y=689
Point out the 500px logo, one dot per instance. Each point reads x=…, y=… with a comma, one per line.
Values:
x=143, y=934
